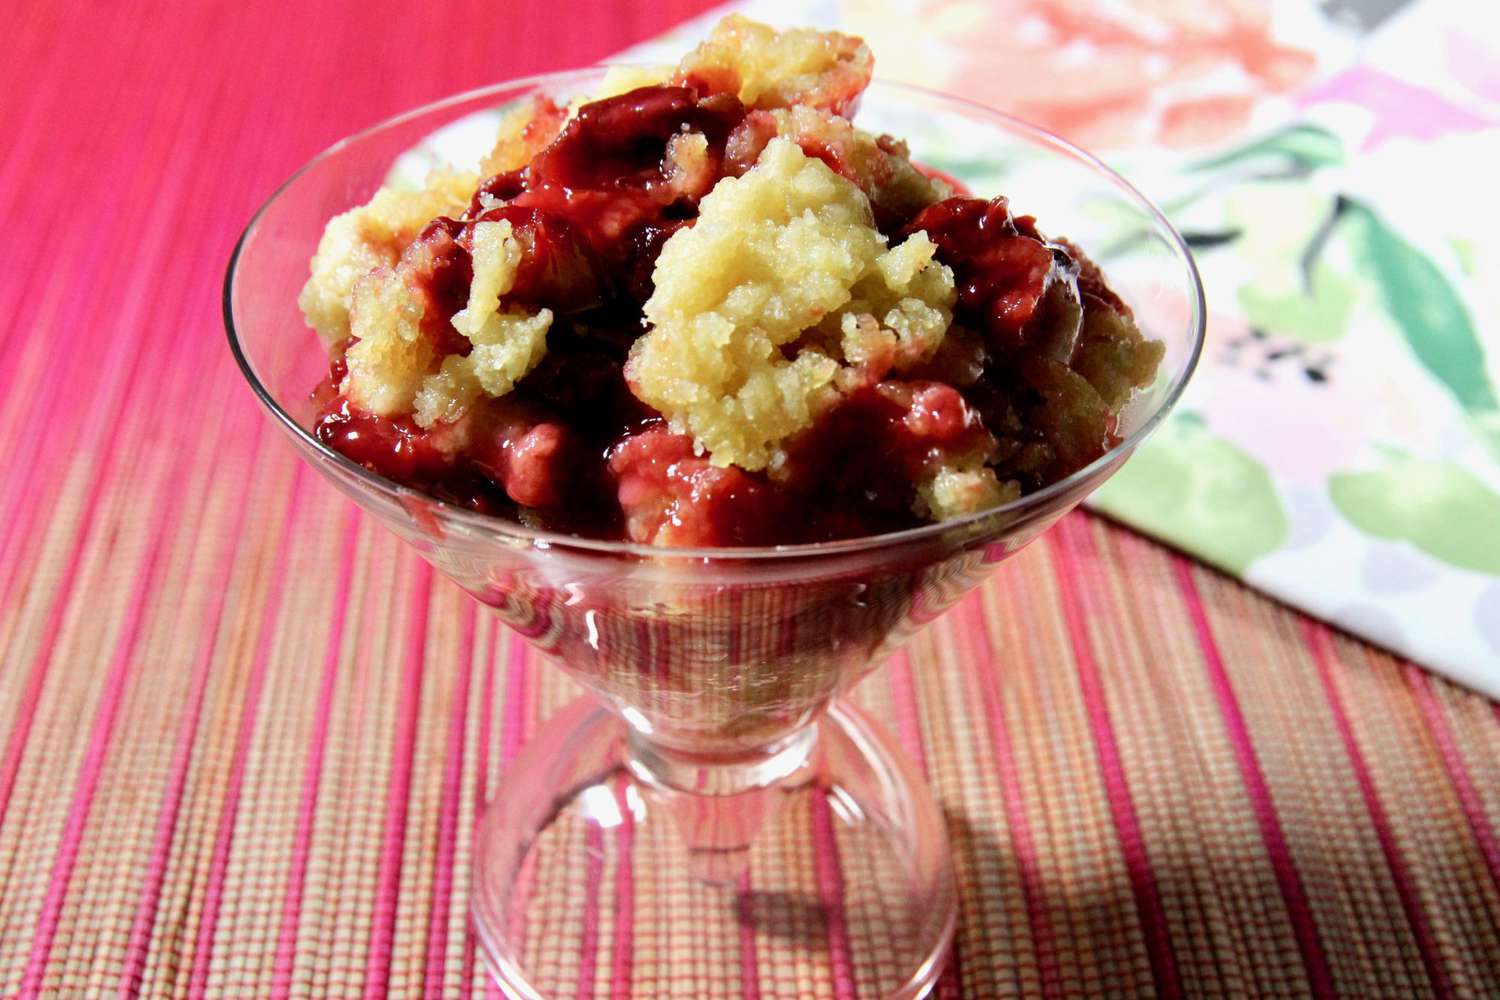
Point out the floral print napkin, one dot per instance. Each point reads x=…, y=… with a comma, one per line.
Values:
x=1333, y=166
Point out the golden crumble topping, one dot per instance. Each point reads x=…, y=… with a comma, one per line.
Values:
x=506, y=344
x=391, y=360
x=878, y=165
x=371, y=236
x=952, y=489
x=775, y=253
x=623, y=79
x=767, y=68
x=389, y=357
x=524, y=131
x=898, y=313
x=703, y=307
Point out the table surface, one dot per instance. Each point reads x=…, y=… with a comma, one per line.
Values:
x=243, y=733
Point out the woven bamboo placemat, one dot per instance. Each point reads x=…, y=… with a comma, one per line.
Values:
x=243, y=734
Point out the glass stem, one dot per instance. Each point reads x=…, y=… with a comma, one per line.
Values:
x=718, y=806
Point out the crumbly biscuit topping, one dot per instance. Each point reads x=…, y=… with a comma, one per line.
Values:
x=703, y=307
x=773, y=255
x=372, y=236
x=505, y=344
x=767, y=68
x=394, y=365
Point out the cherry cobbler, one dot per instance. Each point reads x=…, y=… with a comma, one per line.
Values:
x=702, y=308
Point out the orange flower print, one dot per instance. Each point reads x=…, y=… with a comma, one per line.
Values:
x=1181, y=73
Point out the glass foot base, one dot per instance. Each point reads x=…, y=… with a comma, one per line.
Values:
x=823, y=871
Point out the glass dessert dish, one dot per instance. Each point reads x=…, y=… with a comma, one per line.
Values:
x=711, y=815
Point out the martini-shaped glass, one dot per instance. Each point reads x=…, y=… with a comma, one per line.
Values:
x=711, y=819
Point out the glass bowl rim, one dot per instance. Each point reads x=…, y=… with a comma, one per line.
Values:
x=515, y=532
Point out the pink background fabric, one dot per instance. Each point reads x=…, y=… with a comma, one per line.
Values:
x=244, y=735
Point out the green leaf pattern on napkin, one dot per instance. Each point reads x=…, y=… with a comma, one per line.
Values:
x=1199, y=491
x=1313, y=266
x=1303, y=146
x=1290, y=291
x=1431, y=316
x=1440, y=507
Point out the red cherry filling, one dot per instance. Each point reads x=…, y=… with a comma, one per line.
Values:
x=558, y=270
x=536, y=460
x=1002, y=264
x=674, y=497
x=573, y=450
x=618, y=143
x=850, y=474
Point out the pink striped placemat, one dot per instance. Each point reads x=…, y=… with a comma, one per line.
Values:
x=244, y=734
